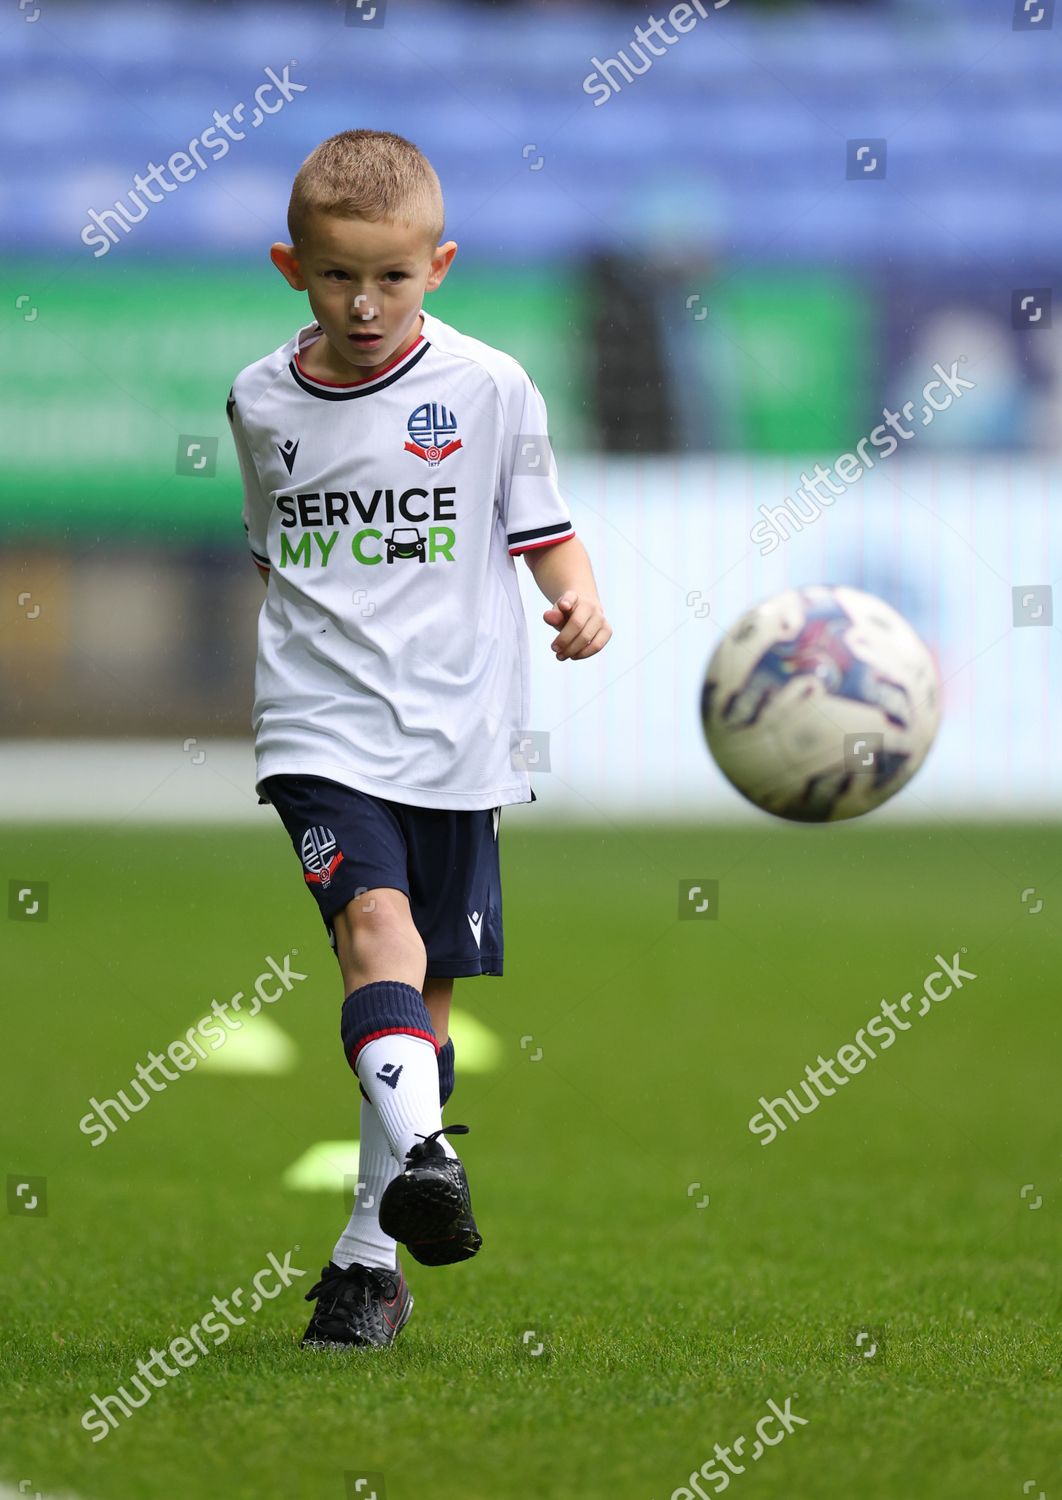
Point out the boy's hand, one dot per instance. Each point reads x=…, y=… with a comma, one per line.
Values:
x=585, y=629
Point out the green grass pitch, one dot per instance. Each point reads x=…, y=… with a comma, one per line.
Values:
x=895, y=1209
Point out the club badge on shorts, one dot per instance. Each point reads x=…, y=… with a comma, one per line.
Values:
x=320, y=856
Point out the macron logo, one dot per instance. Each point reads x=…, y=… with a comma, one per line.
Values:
x=287, y=451
x=475, y=921
x=389, y=1074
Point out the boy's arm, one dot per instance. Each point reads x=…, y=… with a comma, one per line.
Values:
x=256, y=504
x=564, y=575
x=534, y=514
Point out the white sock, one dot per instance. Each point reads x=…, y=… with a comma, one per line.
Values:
x=400, y=1074
x=363, y=1240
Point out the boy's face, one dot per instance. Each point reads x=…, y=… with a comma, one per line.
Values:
x=365, y=282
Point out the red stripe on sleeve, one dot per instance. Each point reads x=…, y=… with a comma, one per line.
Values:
x=549, y=542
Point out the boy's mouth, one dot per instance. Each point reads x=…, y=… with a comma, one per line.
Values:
x=365, y=340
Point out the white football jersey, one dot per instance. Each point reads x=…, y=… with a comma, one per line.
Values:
x=392, y=645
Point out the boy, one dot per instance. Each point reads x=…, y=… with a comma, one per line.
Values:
x=393, y=468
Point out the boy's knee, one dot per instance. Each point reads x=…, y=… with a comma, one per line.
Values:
x=377, y=921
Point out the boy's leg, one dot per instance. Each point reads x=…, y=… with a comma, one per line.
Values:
x=363, y=1240
x=356, y=860
x=371, y=863
x=390, y=1042
x=355, y=856
x=388, y=1035
x=438, y=994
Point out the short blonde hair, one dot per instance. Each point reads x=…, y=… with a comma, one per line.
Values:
x=368, y=174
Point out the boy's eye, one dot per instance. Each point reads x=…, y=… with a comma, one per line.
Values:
x=342, y=275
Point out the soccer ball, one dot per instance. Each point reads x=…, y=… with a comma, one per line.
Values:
x=820, y=703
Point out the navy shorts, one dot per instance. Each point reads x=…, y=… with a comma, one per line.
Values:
x=445, y=861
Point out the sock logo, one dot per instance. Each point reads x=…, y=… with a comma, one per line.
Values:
x=389, y=1074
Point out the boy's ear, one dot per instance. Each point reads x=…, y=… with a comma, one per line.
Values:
x=284, y=258
x=440, y=264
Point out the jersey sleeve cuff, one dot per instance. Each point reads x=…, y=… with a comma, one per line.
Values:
x=539, y=536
